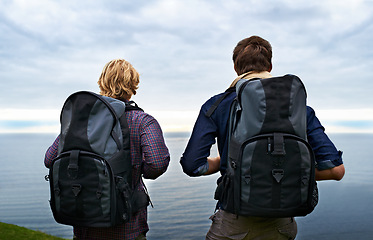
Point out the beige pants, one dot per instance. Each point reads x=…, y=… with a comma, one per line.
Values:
x=140, y=237
x=226, y=226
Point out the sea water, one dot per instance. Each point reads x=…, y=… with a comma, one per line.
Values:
x=183, y=205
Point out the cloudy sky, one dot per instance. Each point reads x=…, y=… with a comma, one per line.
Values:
x=182, y=50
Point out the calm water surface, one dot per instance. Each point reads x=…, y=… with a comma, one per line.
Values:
x=182, y=205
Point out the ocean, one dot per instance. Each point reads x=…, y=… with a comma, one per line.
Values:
x=183, y=205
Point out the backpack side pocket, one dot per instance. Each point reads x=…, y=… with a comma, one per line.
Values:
x=224, y=193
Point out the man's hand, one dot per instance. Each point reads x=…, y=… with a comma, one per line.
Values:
x=335, y=173
x=214, y=165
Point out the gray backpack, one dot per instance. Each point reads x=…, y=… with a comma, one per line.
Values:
x=271, y=166
x=91, y=178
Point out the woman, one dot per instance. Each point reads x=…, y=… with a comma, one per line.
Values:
x=149, y=154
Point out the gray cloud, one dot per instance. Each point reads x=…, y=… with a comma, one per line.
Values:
x=182, y=50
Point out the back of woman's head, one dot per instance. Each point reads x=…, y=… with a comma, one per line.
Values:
x=252, y=54
x=119, y=79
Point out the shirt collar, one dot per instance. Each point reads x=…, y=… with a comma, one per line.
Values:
x=251, y=75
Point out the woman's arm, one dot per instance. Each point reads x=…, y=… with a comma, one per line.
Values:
x=156, y=157
x=51, y=153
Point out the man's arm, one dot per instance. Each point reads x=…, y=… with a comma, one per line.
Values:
x=195, y=159
x=335, y=173
x=328, y=158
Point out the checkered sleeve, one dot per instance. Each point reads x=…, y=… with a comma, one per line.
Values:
x=155, y=152
x=51, y=153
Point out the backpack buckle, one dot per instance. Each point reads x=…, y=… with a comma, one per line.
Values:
x=76, y=189
x=278, y=174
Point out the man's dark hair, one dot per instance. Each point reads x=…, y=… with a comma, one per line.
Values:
x=252, y=54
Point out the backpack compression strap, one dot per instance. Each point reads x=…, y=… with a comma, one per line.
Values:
x=117, y=161
x=217, y=102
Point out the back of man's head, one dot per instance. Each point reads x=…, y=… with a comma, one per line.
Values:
x=252, y=54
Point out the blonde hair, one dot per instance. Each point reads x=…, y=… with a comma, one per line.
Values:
x=119, y=80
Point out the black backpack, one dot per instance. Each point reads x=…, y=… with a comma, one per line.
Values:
x=271, y=166
x=91, y=178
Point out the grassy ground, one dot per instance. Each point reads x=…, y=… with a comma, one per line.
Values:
x=13, y=232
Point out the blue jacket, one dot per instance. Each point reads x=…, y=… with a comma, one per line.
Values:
x=207, y=129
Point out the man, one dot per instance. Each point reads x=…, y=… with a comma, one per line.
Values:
x=252, y=58
x=149, y=154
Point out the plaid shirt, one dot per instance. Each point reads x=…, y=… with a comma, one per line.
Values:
x=150, y=158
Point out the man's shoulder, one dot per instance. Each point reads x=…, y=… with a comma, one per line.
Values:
x=310, y=111
x=220, y=100
x=213, y=99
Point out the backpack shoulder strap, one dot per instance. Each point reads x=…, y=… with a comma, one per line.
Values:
x=131, y=105
x=218, y=101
